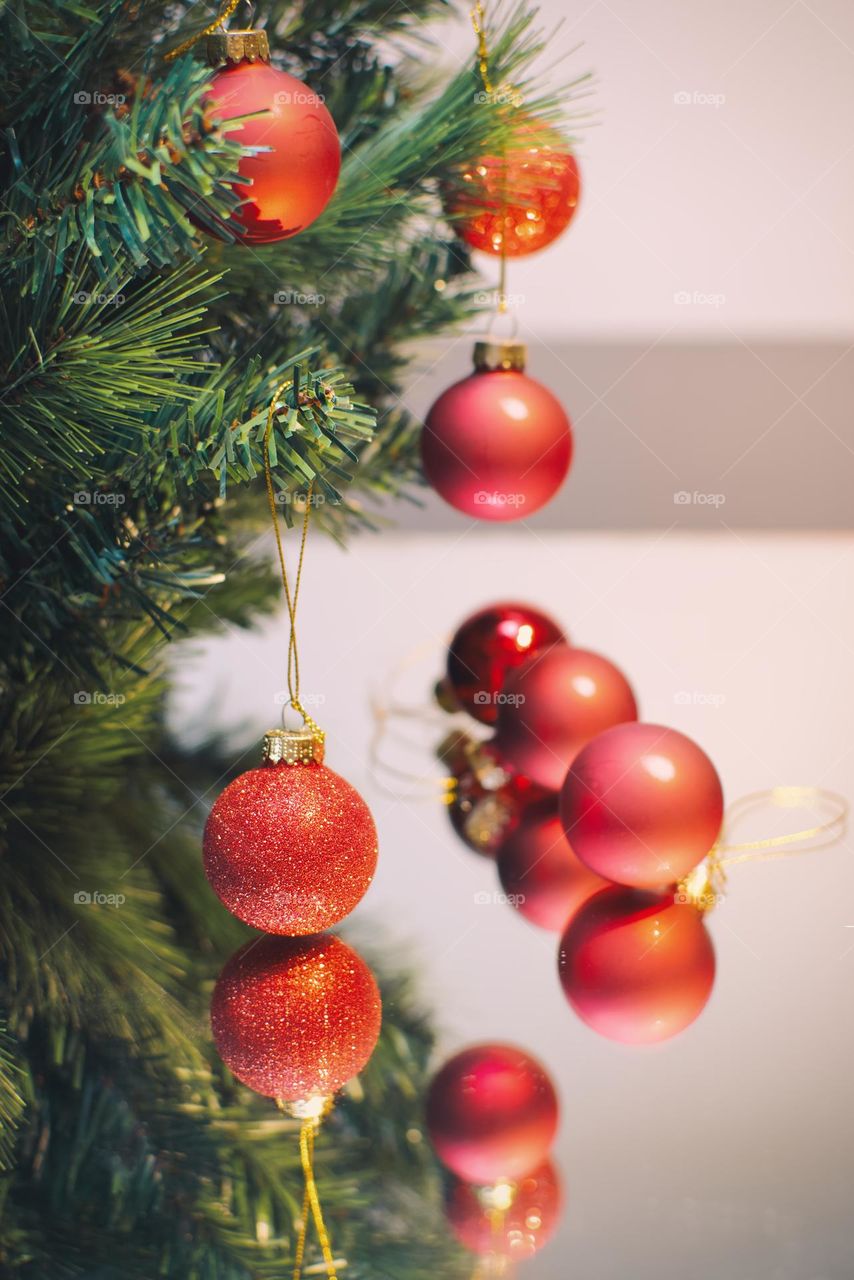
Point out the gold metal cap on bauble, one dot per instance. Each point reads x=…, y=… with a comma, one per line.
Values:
x=489, y=356
x=292, y=746
x=237, y=46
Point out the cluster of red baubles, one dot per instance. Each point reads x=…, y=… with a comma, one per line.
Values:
x=492, y=1116
x=593, y=819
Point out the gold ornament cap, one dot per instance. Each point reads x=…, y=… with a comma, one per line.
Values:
x=292, y=746
x=237, y=46
x=490, y=356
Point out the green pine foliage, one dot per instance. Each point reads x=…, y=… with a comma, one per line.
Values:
x=138, y=359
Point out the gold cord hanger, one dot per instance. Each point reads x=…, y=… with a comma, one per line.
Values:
x=224, y=14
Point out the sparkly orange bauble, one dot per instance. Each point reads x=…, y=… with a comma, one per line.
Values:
x=642, y=805
x=492, y=1113
x=637, y=967
x=511, y=1220
x=290, y=848
x=519, y=202
x=295, y=1018
x=489, y=644
x=552, y=705
x=540, y=873
x=294, y=174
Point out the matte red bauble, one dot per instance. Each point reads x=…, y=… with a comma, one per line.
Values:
x=295, y=173
x=497, y=445
x=637, y=967
x=642, y=805
x=291, y=847
x=489, y=644
x=511, y=1220
x=553, y=704
x=539, y=871
x=492, y=1113
x=518, y=202
x=295, y=1018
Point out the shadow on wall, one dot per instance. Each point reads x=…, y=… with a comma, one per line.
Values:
x=752, y=435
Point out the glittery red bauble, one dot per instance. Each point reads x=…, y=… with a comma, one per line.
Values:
x=294, y=1018
x=520, y=202
x=290, y=848
x=637, y=967
x=496, y=445
x=492, y=1113
x=489, y=644
x=543, y=878
x=642, y=805
x=294, y=179
x=553, y=704
x=518, y=1231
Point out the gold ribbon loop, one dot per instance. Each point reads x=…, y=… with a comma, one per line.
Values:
x=224, y=14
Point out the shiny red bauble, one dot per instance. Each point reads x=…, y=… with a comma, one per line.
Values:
x=642, y=805
x=295, y=1018
x=540, y=873
x=292, y=178
x=290, y=848
x=512, y=1220
x=637, y=967
x=487, y=646
x=518, y=202
x=497, y=445
x=553, y=704
x=492, y=1113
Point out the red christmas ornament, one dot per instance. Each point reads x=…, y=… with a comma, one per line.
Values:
x=295, y=1018
x=488, y=800
x=509, y=1219
x=489, y=644
x=292, y=178
x=552, y=705
x=637, y=967
x=497, y=445
x=516, y=203
x=492, y=1113
x=642, y=805
x=291, y=847
x=539, y=871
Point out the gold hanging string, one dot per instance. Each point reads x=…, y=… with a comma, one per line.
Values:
x=478, y=21
x=224, y=14
x=291, y=598
x=307, y=1133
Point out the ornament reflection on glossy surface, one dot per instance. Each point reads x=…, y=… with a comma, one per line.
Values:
x=539, y=871
x=553, y=704
x=510, y=1219
x=642, y=805
x=637, y=967
x=492, y=1113
x=295, y=1018
x=487, y=646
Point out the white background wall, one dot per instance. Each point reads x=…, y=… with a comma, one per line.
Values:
x=750, y=197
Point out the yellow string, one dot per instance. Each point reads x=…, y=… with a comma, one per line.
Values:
x=478, y=21
x=306, y=1145
x=290, y=598
x=224, y=14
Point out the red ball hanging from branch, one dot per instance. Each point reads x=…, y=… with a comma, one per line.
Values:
x=541, y=874
x=497, y=445
x=296, y=1018
x=487, y=646
x=290, y=180
x=511, y=1219
x=492, y=1113
x=642, y=805
x=291, y=847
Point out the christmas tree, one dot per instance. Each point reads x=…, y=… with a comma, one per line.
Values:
x=140, y=355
